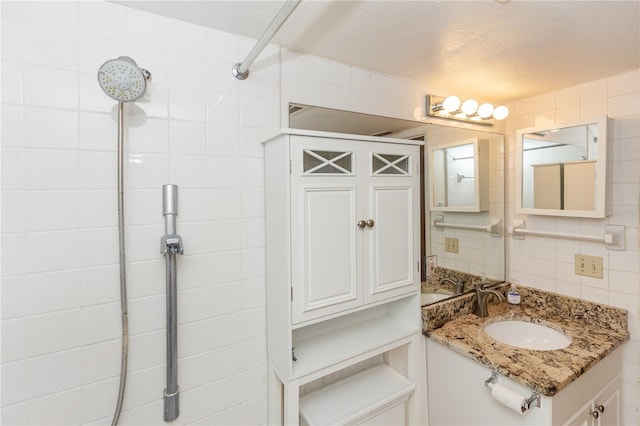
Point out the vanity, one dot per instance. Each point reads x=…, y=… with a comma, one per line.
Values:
x=579, y=384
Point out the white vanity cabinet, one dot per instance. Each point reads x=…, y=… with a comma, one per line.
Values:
x=343, y=273
x=455, y=382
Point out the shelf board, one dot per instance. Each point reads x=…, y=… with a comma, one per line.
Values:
x=356, y=397
x=339, y=344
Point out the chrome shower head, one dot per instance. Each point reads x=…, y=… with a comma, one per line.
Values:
x=122, y=79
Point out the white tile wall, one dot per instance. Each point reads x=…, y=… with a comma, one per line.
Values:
x=548, y=263
x=198, y=127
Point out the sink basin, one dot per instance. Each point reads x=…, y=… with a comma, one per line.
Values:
x=427, y=298
x=527, y=335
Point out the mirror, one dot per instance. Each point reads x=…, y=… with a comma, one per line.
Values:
x=459, y=176
x=562, y=170
x=479, y=252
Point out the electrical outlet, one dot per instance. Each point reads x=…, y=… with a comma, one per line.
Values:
x=589, y=266
x=451, y=245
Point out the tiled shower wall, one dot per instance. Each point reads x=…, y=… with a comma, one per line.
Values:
x=548, y=263
x=198, y=127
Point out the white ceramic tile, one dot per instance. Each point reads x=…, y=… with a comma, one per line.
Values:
x=155, y=60
x=254, y=111
x=144, y=206
x=14, y=342
x=318, y=93
x=97, y=170
x=97, y=208
x=340, y=74
x=294, y=63
x=61, y=15
x=625, y=261
x=146, y=314
x=150, y=414
x=13, y=211
x=53, y=291
x=95, y=50
x=318, y=69
x=224, y=267
x=252, y=172
x=340, y=97
x=187, y=137
x=571, y=113
x=223, y=140
x=218, y=76
x=11, y=38
x=195, y=405
x=101, y=284
x=253, y=263
x=97, y=132
x=147, y=135
x=51, y=210
x=50, y=128
x=593, y=108
x=101, y=323
x=194, y=338
x=360, y=100
x=361, y=79
x=294, y=89
x=14, y=414
x=252, y=204
x=213, y=237
x=253, y=233
x=624, y=105
x=593, y=90
x=53, y=373
x=186, y=38
x=191, y=371
x=147, y=278
x=98, y=247
x=14, y=386
x=147, y=171
x=594, y=295
x=148, y=350
x=37, y=42
x=143, y=242
x=100, y=361
x=12, y=297
x=154, y=103
x=227, y=393
x=101, y=19
x=187, y=71
x=221, y=45
x=223, y=172
x=625, y=193
x=39, y=256
x=251, y=141
x=188, y=104
x=188, y=171
x=143, y=387
x=146, y=28
x=192, y=272
x=53, y=332
x=621, y=84
x=52, y=87
x=95, y=404
x=13, y=254
x=11, y=84
x=223, y=108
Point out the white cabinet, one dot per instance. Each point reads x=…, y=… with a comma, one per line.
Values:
x=593, y=399
x=352, y=223
x=343, y=272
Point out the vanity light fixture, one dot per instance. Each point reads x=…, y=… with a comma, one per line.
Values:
x=452, y=108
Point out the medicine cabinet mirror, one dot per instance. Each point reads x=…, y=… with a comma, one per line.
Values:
x=459, y=176
x=561, y=170
x=480, y=241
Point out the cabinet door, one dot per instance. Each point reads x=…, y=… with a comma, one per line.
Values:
x=607, y=404
x=581, y=418
x=391, y=244
x=324, y=234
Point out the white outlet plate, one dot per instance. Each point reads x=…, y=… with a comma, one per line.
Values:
x=451, y=245
x=589, y=266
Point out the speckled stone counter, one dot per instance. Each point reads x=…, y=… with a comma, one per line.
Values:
x=596, y=330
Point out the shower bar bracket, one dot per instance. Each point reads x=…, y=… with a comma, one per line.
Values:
x=170, y=247
x=494, y=228
x=613, y=237
x=241, y=69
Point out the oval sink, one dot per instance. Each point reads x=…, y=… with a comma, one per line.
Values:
x=527, y=335
x=427, y=298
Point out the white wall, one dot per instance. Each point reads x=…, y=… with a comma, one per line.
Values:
x=201, y=129
x=548, y=263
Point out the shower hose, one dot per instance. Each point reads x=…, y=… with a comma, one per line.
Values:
x=123, y=273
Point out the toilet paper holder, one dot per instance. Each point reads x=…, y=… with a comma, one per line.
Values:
x=527, y=403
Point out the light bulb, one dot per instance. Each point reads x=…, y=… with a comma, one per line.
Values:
x=501, y=112
x=485, y=110
x=451, y=104
x=469, y=107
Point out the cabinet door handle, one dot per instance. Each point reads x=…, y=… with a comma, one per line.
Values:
x=594, y=413
x=600, y=408
x=370, y=223
x=361, y=223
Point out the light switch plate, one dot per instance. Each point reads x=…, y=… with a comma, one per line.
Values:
x=589, y=266
x=451, y=245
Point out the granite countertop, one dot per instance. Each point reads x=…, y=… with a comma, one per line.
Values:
x=596, y=330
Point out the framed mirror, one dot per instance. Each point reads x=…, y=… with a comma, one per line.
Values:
x=459, y=176
x=479, y=252
x=562, y=170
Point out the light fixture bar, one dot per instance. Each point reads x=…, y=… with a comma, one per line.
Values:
x=468, y=111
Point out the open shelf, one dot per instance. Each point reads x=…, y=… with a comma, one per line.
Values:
x=356, y=397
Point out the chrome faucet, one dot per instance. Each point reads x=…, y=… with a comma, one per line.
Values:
x=482, y=291
x=457, y=285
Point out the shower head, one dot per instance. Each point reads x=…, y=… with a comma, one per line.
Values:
x=122, y=79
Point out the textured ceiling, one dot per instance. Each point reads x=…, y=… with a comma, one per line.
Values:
x=495, y=52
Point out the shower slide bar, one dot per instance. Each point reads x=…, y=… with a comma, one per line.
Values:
x=613, y=236
x=494, y=228
x=170, y=247
x=241, y=69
